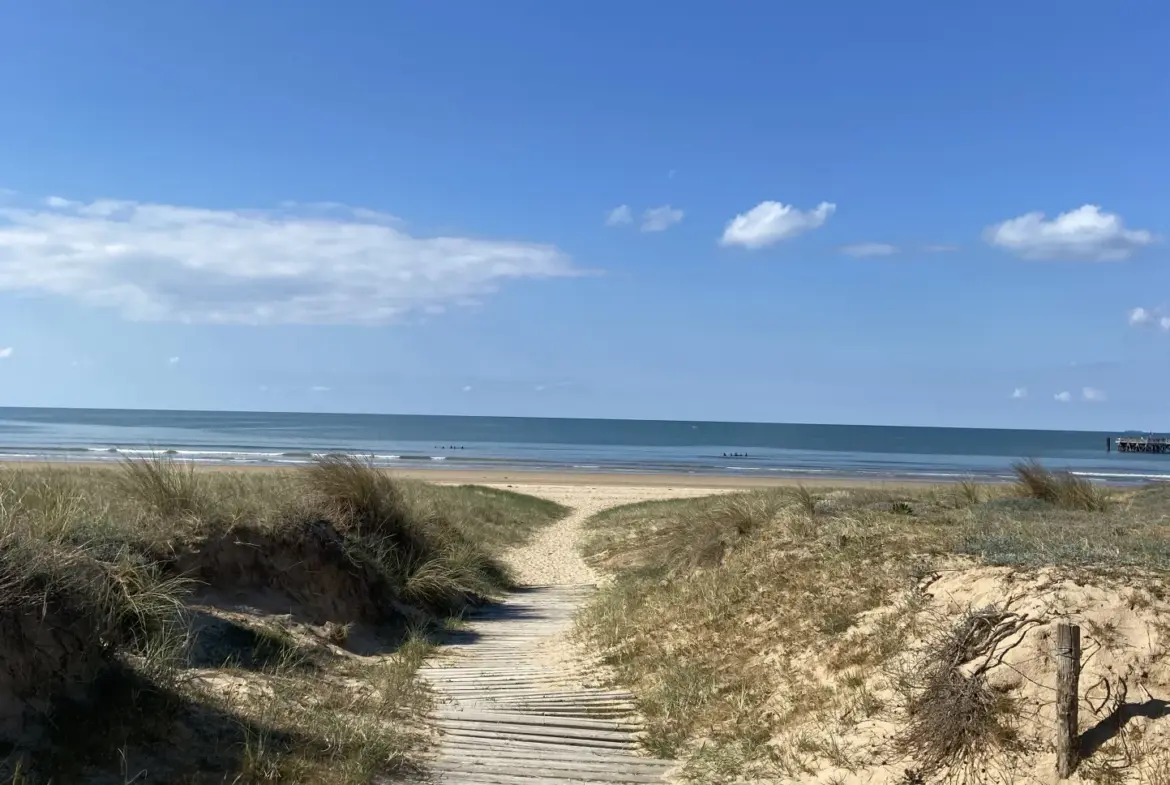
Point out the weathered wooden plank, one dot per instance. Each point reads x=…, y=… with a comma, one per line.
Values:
x=568, y=756
x=543, y=744
x=526, y=733
x=552, y=761
x=536, y=719
x=447, y=724
x=539, y=770
x=476, y=778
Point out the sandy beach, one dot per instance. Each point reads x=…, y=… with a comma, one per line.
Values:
x=506, y=477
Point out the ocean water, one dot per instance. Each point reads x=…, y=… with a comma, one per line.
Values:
x=544, y=444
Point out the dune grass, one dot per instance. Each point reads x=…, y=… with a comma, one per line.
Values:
x=1060, y=489
x=742, y=620
x=113, y=582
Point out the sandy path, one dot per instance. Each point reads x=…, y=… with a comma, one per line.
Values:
x=554, y=556
x=516, y=703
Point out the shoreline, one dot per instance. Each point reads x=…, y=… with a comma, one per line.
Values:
x=513, y=477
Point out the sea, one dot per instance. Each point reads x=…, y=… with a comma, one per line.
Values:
x=566, y=445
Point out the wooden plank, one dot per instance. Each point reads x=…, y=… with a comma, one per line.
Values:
x=536, y=719
x=479, y=732
x=446, y=724
x=542, y=744
x=537, y=769
x=562, y=758
x=476, y=778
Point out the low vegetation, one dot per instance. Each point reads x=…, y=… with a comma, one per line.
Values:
x=882, y=635
x=178, y=625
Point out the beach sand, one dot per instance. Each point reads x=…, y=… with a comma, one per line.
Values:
x=508, y=478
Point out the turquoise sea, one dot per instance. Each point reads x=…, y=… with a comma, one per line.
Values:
x=519, y=443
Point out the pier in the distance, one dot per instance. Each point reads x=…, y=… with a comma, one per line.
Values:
x=1148, y=444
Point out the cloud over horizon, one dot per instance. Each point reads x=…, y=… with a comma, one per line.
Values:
x=1093, y=395
x=619, y=216
x=866, y=250
x=770, y=222
x=328, y=264
x=1140, y=317
x=1085, y=233
x=659, y=219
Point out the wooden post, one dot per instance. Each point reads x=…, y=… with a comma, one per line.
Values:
x=1068, y=671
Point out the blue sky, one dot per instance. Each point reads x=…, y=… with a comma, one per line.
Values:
x=906, y=213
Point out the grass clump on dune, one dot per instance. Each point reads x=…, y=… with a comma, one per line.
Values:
x=766, y=633
x=232, y=626
x=1060, y=489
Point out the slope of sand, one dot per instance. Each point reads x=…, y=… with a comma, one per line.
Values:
x=1124, y=714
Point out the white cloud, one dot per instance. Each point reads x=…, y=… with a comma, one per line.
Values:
x=60, y=203
x=6, y=352
x=771, y=222
x=467, y=388
x=319, y=389
x=1083, y=233
x=1093, y=395
x=1063, y=397
x=1140, y=316
x=1020, y=392
x=940, y=248
x=619, y=216
x=862, y=250
x=304, y=265
x=173, y=361
x=658, y=219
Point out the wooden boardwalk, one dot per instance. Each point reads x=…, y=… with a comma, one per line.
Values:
x=506, y=717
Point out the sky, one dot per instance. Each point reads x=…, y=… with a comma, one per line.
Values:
x=911, y=213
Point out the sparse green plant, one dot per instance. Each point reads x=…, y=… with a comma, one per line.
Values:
x=162, y=484
x=1060, y=489
x=968, y=492
x=359, y=496
x=805, y=499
